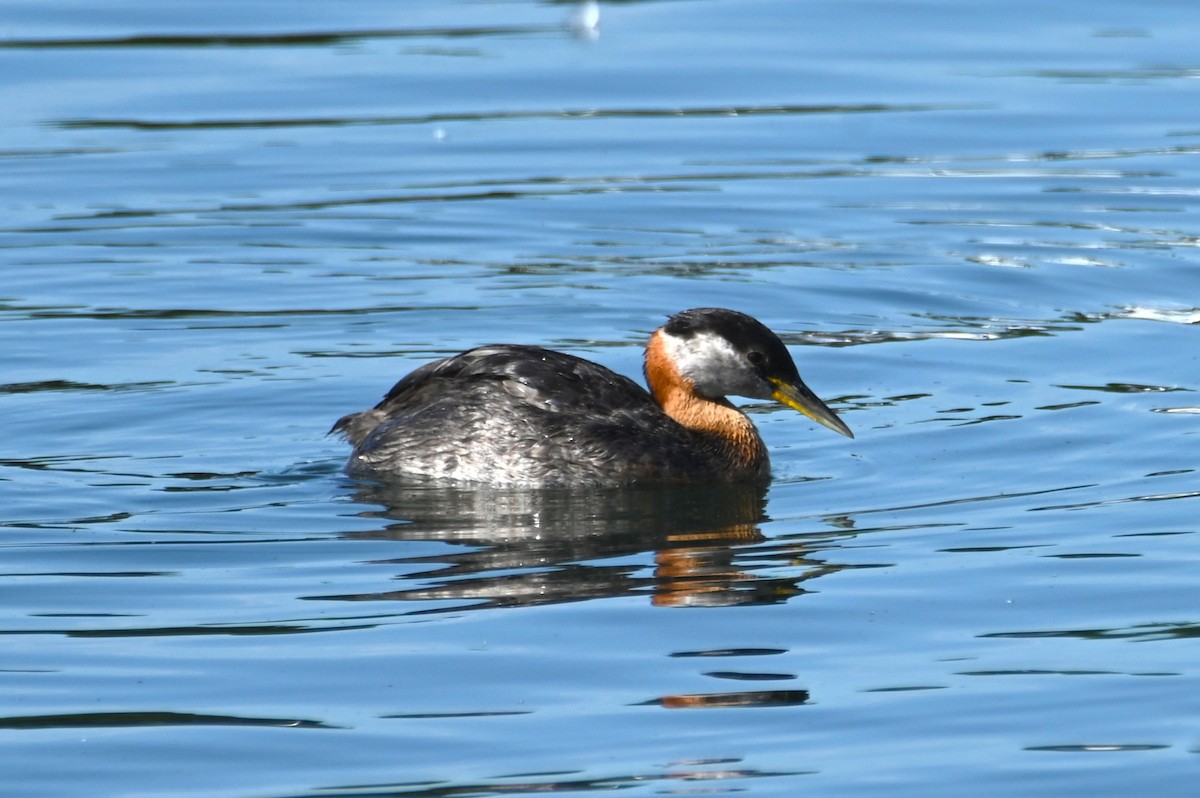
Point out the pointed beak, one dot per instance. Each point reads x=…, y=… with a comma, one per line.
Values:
x=798, y=397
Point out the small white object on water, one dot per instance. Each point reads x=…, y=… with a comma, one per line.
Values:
x=585, y=22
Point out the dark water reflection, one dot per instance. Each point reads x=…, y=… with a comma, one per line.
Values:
x=309, y=39
x=530, y=547
x=682, y=774
x=473, y=116
x=97, y=720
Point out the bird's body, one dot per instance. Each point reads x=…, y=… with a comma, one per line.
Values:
x=509, y=414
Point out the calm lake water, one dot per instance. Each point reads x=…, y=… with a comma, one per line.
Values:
x=227, y=224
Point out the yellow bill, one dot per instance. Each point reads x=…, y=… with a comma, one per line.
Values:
x=799, y=397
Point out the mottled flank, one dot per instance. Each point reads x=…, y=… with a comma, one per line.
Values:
x=522, y=415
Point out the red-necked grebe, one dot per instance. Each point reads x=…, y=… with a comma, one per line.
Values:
x=509, y=414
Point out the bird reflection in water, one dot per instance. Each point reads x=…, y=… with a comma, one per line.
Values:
x=527, y=547
x=746, y=698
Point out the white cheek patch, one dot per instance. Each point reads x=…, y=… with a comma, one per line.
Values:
x=714, y=366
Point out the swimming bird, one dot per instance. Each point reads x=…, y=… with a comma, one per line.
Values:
x=510, y=414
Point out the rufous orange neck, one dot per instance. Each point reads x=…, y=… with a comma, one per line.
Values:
x=677, y=396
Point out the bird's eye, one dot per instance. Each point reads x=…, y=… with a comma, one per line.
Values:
x=755, y=357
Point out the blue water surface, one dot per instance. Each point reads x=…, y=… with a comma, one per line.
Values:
x=227, y=224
